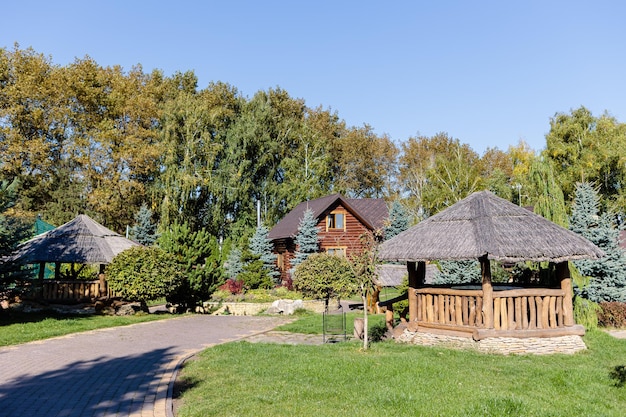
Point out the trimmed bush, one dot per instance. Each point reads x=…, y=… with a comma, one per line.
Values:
x=612, y=314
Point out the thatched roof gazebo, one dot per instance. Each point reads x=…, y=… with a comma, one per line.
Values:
x=79, y=241
x=487, y=228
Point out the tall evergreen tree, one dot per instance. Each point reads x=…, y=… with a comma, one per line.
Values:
x=398, y=220
x=458, y=272
x=260, y=246
x=144, y=231
x=607, y=275
x=306, y=239
x=233, y=266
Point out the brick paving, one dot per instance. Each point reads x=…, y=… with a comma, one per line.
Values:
x=123, y=371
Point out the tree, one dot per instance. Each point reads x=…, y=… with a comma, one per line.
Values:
x=363, y=266
x=323, y=276
x=607, y=275
x=306, y=240
x=144, y=231
x=143, y=274
x=458, y=272
x=233, y=266
x=199, y=257
x=260, y=246
x=398, y=220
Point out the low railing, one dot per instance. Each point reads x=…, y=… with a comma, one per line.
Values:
x=72, y=290
x=517, y=312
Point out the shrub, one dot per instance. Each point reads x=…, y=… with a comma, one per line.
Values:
x=323, y=276
x=586, y=313
x=618, y=374
x=143, y=274
x=612, y=314
x=233, y=286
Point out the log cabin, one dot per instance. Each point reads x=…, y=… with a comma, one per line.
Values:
x=341, y=223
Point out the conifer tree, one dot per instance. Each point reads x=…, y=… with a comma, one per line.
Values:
x=306, y=240
x=398, y=220
x=144, y=231
x=607, y=275
x=234, y=266
x=458, y=272
x=261, y=247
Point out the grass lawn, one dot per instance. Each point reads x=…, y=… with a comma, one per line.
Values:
x=16, y=327
x=389, y=379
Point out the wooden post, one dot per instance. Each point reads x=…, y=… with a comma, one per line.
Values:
x=102, y=290
x=57, y=270
x=562, y=273
x=417, y=275
x=40, y=277
x=485, y=268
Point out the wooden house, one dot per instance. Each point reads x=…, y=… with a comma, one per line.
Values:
x=341, y=223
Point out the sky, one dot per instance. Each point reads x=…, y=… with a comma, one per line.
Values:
x=489, y=73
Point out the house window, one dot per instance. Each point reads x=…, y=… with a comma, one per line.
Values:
x=336, y=221
x=337, y=251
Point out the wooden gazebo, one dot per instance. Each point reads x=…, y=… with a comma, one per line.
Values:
x=79, y=241
x=488, y=228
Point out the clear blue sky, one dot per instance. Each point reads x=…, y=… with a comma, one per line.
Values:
x=489, y=73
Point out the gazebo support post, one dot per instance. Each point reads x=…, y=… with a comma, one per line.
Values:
x=103, y=282
x=563, y=274
x=485, y=269
x=40, y=277
x=57, y=270
x=417, y=275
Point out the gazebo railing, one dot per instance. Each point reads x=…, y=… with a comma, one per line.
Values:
x=72, y=290
x=516, y=309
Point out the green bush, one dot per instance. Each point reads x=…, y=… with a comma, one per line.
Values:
x=586, y=312
x=143, y=274
x=322, y=276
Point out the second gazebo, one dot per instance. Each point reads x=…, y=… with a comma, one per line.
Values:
x=488, y=228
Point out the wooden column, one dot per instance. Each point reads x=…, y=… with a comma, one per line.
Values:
x=417, y=275
x=102, y=285
x=562, y=273
x=57, y=270
x=485, y=268
x=40, y=277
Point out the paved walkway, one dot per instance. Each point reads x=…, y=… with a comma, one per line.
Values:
x=123, y=371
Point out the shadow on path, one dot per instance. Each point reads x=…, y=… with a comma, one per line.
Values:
x=99, y=387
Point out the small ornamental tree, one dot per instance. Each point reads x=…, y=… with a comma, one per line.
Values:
x=144, y=231
x=260, y=246
x=144, y=273
x=607, y=275
x=323, y=276
x=306, y=240
x=364, y=270
x=233, y=265
x=198, y=254
x=398, y=220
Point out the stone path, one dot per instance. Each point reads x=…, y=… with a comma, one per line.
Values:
x=123, y=371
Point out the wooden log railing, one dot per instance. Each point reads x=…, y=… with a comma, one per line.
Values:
x=72, y=290
x=518, y=312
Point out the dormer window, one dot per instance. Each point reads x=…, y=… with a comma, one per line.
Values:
x=336, y=220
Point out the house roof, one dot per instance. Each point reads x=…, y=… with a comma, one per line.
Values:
x=392, y=275
x=372, y=212
x=81, y=240
x=484, y=225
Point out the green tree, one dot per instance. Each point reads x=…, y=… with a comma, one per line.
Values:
x=260, y=246
x=607, y=275
x=144, y=273
x=322, y=276
x=307, y=241
x=398, y=220
x=234, y=265
x=458, y=272
x=144, y=230
x=199, y=257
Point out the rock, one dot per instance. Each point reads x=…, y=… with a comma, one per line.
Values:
x=286, y=307
x=128, y=309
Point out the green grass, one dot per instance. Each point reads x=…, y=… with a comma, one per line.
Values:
x=312, y=323
x=244, y=379
x=17, y=327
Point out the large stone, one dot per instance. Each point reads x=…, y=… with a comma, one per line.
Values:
x=285, y=307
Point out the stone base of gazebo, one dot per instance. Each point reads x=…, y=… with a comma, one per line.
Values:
x=503, y=345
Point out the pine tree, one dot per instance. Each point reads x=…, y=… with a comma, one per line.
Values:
x=306, y=239
x=398, y=220
x=458, y=272
x=144, y=231
x=261, y=246
x=607, y=275
x=234, y=266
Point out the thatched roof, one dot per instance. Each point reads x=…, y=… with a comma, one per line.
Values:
x=484, y=225
x=371, y=212
x=81, y=240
